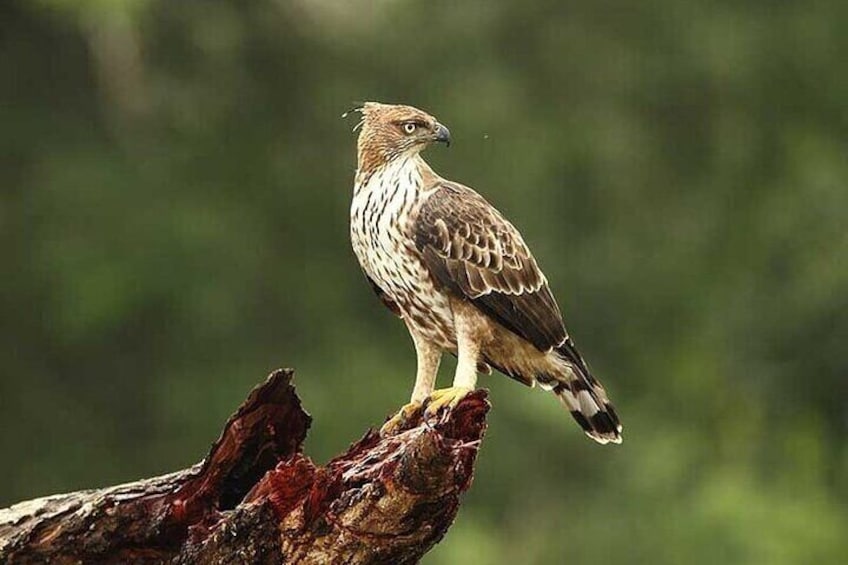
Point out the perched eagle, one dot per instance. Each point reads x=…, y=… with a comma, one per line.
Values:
x=459, y=275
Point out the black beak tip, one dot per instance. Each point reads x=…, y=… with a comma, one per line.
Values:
x=443, y=135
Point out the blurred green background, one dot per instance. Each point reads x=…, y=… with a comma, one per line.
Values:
x=174, y=189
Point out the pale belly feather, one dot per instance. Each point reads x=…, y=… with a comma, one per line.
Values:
x=382, y=213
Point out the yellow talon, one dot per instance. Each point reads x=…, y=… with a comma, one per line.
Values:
x=445, y=398
x=398, y=422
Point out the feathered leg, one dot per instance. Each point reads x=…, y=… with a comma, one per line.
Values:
x=429, y=356
x=468, y=357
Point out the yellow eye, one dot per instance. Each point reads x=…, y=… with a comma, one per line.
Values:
x=409, y=127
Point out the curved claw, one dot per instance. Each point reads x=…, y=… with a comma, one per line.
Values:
x=445, y=398
x=400, y=421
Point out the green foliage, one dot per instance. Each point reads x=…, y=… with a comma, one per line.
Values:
x=174, y=188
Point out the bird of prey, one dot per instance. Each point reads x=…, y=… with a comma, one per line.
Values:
x=460, y=276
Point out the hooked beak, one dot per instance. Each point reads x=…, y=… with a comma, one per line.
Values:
x=442, y=134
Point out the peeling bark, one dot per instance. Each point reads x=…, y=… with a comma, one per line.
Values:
x=258, y=499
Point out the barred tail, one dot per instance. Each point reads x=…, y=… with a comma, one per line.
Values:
x=583, y=395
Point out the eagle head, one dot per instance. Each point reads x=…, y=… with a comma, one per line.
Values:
x=392, y=130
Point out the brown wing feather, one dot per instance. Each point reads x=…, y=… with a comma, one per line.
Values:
x=473, y=251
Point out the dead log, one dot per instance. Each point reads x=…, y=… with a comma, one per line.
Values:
x=257, y=498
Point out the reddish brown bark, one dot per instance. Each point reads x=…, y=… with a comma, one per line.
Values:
x=258, y=499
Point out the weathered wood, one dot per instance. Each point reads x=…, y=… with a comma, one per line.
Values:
x=257, y=499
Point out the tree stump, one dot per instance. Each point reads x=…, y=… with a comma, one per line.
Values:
x=256, y=498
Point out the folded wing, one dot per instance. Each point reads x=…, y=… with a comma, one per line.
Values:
x=473, y=251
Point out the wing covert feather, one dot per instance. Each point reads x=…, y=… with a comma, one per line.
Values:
x=473, y=251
